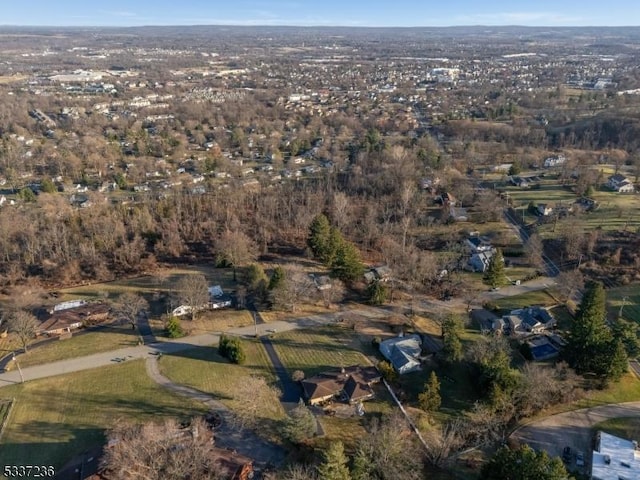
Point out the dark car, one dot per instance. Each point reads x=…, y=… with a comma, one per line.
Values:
x=566, y=455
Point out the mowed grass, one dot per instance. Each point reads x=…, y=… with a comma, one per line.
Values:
x=625, y=427
x=318, y=349
x=538, y=297
x=627, y=297
x=203, y=369
x=111, y=337
x=57, y=418
x=216, y=321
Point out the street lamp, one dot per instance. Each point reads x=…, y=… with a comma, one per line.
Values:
x=18, y=365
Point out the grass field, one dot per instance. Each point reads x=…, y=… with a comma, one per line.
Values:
x=109, y=338
x=217, y=321
x=539, y=297
x=318, y=349
x=626, y=427
x=630, y=296
x=205, y=370
x=54, y=419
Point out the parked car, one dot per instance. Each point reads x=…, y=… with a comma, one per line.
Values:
x=566, y=455
x=580, y=459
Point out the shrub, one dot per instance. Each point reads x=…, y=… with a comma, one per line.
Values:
x=173, y=327
x=231, y=349
x=387, y=371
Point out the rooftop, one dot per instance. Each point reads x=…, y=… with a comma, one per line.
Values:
x=615, y=459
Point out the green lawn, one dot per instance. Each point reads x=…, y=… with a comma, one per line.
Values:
x=56, y=418
x=631, y=295
x=318, y=349
x=539, y=297
x=110, y=338
x=626, y=427
x=203, y=369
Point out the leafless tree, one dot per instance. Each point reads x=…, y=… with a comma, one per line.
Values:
x=24, y=325
x=193, y=292
x=130, y=305
x=569, y=282
x=334, y=293
x=534, y=251
x=443, y=441
x=252, y=395
x=235, y=248
x=164, y=450
x=295, y=288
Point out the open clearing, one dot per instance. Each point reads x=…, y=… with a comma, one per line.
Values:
x=56, y=418
x=203, y=369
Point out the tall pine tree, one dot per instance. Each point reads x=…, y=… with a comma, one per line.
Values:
x=430, y=399
x=334, y=464
x=318, y=240
x=494, y=276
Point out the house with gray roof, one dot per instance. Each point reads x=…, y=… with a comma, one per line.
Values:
x=403, y=352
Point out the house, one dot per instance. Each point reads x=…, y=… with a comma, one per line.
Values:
x=554, y=161
x=217, y=298
x=528, y=320
x=350, y=384
x=477, y=245
x=72, y=318
x=544, y=209
x=403, y=352
x=381, y=273
x=479, y=262
x=621, y=184
x=519, y=181
x=614, y=458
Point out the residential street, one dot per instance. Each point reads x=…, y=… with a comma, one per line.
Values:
x=167, y=347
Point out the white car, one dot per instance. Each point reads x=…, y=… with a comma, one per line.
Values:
x=580, y=459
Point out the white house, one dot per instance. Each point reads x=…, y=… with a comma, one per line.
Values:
x=615, y=458
x=554, y=161
x=620, y=184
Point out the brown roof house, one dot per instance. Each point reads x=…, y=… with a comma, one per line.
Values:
x=350, y=384
x=68, y=319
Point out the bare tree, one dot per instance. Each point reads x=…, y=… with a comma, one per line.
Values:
x=165, y=450
x=193, y=292
x=443, y=441
x=534, y=251
x=252, y=394
x=569, y=282
x=236, y=249
x=333, y=293
x=295, y=287
x=130, y=305
x=24, y=325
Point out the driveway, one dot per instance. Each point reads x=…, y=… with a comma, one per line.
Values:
x=572, y=429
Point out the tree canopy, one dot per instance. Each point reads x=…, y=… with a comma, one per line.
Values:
x=523, y=464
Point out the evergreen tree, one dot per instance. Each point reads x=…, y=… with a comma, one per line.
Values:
x=277, y=278
x=377, y=292
x=347, y=265
x=523, y=464
x=494, y=276
x=452, y=348
x=334, y=464
x=430, y=399
x=300, y=424
x=591, y=346
x=318, y=239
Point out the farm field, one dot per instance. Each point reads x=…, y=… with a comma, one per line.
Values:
x=56, y=418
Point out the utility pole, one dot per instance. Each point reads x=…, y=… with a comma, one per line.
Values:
x=19, y=369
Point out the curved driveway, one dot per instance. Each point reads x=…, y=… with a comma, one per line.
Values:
x=572, y=429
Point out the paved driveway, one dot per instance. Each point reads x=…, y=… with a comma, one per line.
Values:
x=573, y=429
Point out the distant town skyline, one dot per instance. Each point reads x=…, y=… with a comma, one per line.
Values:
x=365, y=13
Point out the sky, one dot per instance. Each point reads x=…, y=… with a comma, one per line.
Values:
x=374, y=13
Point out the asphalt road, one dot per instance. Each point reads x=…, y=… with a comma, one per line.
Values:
x=165, y=347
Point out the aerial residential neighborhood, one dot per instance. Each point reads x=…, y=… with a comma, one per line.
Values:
x=239, y=249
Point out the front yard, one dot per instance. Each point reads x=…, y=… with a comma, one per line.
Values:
x=57, y=418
